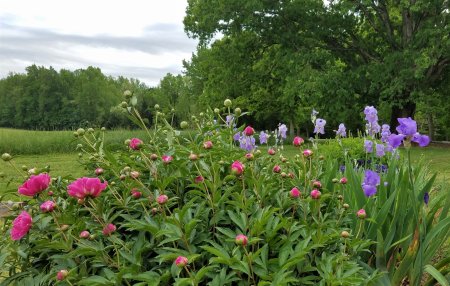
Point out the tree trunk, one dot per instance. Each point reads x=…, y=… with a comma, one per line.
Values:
x=407, y=110
x=291, y=128
x=430, y=125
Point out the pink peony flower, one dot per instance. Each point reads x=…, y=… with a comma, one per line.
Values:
x=249, y=131
x=34, y=185
x=343, y=180
x=181, y=261
x=135, y=143
x=166, y=159
x=271, y=151
x=85, y=187
x=110, y=228
x=207, y=144
x=298, y=141
x=199, y=179
x=21, y=225
x=307, y=153
x=241, y=239
x=84, y=234
x=237, y=168
x=315, y=194
x=294, y=193
x=62, y=274
x=276, y=169
x=361, y=214
x=135, y=193
x=162, y=199
x=99, y=171
x=48, y=206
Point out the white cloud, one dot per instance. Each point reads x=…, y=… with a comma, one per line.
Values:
x=137, y=38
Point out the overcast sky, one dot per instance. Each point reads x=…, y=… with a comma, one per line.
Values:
x=142, y=39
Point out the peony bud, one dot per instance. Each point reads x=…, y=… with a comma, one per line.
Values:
x=335, y=180
x=48, y=206
x=162, y=199
x=134, y=174
x=291, y=175
x=237, y=111
x=153, y=157
x=181, y=261
x=193, y=157
x=85, y=234
x=184, y=124
x=227, y=103
x=50, y=193
x=216, y=110
x=294, y=193
x=340, y=197
x=249, y=131
x=283, y=174
x=62, y=274
x=110, y=228
x=361, y=214
x=166, y=159
x=199, y=179
x=156, y=106
x=345, y=234
x=298, y=141
x=271, y=151
x=241, y=240
x=307, y=153
x=249, y=156
x=317, y=184
x=207, y=145
x=154, y=211
x=343, y=180
x=345, y=206
x=276, y=169
x=99, y=171
x=81, y=131
x=127, y=94
x=315, y=194
x=135, y=193
x=237, y=168
x=6, y=157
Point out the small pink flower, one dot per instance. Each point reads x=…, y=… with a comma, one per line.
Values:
x=85, y=187
x=48, y=206
x=317, y=184
x=237, y=168
x=135, y=143
x=166, y=159
x=110, y=228
x=315, y=194
x=249, y=131
x=135, y=193
x=249, y=156
x=241, y=239
x=361, y=214
x=21, y=225
x=199, y=179
x=271, y=151
x=343, y=180
x=62, y=274
x=181, y=261
x=298, y=141
x=84, y=234
x=276, y=169
x=162, y=199
x=207, y=144
x=34, y=185
x=294, y=193
x=99, y=171
x=307, y=153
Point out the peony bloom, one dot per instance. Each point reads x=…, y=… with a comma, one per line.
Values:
x=207, y=144
x=181, y=261
x=62, y=274
x=276, y=169
x=166, y=159
x=48, y=206
x=315, y=194
x=84, y=234
x=110, y=228
x=241, y=239
x=135, y=143
x=162, y=199
x=85, y=187
x=297, y=141
x=294, y=193
x=307, y=153
x=361, y=214
x=34, y=185
x=237, y=168
x=249, y=131
x=21, y=225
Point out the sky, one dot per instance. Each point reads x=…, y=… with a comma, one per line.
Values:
x=142, y=39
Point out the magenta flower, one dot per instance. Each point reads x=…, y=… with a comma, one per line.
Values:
x=343, y=180
x=294, y=193
x=237, y=168
x=241, y=239
x=316, y=194
x=181, y=261
x=21, y=225
x=48, y=206
x=166, y=159
x=249, y=131
x=34, y=185
x=307, y=153
x=297, y=141
x=361, y=214
x=110, y=228
x=84, y=234
x=162, y=199
x=135, y=143
x=276, y=169
x=86, y=187
x=135, y=193
x=62, y=274
x=271, y=152
x=207, y=144
x=199, y=179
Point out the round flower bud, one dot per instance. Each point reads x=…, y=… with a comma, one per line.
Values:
x=50, y=193
x=184, y=124
x=156, y=106
x=297, y=141
x=99, y=171
x=153, y=157
x=154, y=211
x=317, y=184
x=108, y=229
x=85, y=234
x=134, y=174
x=361, y=214
x=199, y=179
x=135, y=193
x=335, y=180
x=62, y=274
x=345, y=234
x=6, y=157
x=294, y=193
x=283, y=174
x=75, y=134
x=2, y=175
x=315, y=194
x=127, y=94
x=343, y=180
x=103, y=129
x=181, y=261
x=340, y=197
x=80, y=131
x=193, y=157
x=122, y=177
x=80, y=201
x=80, y=155
x=321, y=157
x=271, y=151
x=91, y=130
x=307, y=153
x=79, y=146
x=237, y=111
x=249, y=156
x=276, y=169
x=249, y=131
x=162, y=199
x=216, y=110
x=227, y=103
x=345, y=206
x=207, y=145
x=241, y=240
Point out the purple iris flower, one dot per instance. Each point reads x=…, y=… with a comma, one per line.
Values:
x=426, y=198
x=423, y=140
x=262, y=137
x=341, y=130
x=247, y=143
x=379, y=150
x=320, y=126
x=368, y=145
x=407, y=126
x=282, y=129
x=237, y=136
x=371, y=181
x=371, y=114
x=342, y=168
x=229, y=119
x=395, y=140
x=385, y=132
x=388, y=148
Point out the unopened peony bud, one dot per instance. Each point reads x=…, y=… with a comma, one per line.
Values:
x=276, y=169
x=241, y=240
x=335, y=180
x=6, y=157
x=103, y=129
x=271, y=152
x=153, y=157
x=307, y=153
x=237, y=168
x=157, y=106
x=294, y=193
x=237, y=111
x=315, y=194
x=291, y=175
x=81, y=131
x=249, y=156
x=361, y=214
x=340, y=197
x=99, y=171
x=50, y=193
x=181, y=261
x=193, y=157
x=184, y=124
x=298, y=141
x=80, y=201
x=249, y=131
x=227, y=103
x=199, y=179
x=345, y=206
x=127, y=94
x=343, y=180
x=91, y=130
x=24, y=168
x=122, y=177
x=134, y=174
x=135, y=193
x=154, y=211
x=345, y=234
x=283, y=174
x=62, y=274
x=85, y=234
x=48, y=206
x=216, y=110
x=162, y=199
x=317, y=184
x=207, y=145
x=110, y=228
